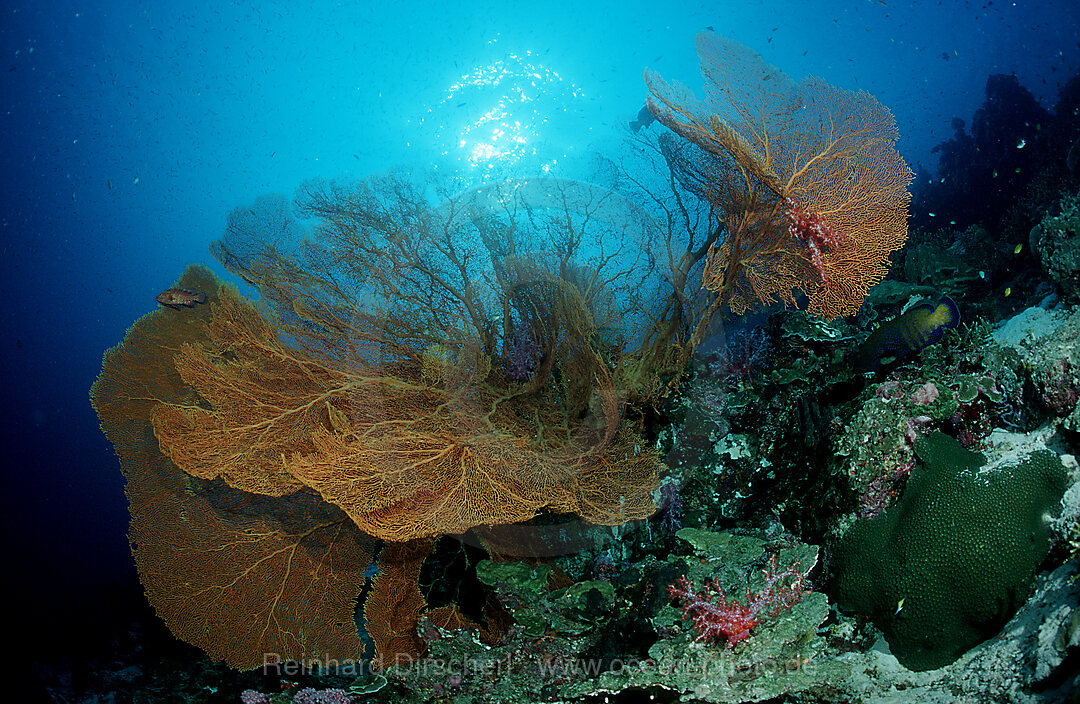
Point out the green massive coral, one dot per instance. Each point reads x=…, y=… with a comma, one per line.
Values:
x=949, y=564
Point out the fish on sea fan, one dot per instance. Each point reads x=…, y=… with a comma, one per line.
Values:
x=176, y=297
x=919, y=327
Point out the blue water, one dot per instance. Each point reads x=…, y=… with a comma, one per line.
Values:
x=130, y=130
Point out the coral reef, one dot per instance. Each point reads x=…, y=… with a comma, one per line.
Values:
x=419, y=367
x=549, y=440
x=1056, y=241
x=1047, y=343
x=779, y=656
x=569, y=641
x=1026, y=664
x=977, y=227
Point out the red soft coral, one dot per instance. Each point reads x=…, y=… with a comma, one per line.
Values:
x=713, y=617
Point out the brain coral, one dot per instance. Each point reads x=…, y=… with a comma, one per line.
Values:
x=950, y=563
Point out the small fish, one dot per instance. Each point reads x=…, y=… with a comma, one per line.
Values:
x=1018, y=248
x=899, y=607
x=919, y=327
x=1008, y=291
x=176, y=297
x=1021, y=144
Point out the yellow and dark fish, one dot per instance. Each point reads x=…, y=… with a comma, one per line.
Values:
x=176, y=297
x=897, y=338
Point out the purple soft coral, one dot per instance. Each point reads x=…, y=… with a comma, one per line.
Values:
x=743, y=357
x=523, y=355
x=671, y=507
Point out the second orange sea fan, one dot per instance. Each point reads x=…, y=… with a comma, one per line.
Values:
x=813, y=192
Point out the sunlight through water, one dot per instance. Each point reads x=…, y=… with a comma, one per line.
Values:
x=504, y=114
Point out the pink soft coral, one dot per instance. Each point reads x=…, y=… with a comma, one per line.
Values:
x=925, y=394
x=713, y=617
x=326, y=696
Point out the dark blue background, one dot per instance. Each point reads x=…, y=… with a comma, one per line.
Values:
x=130, y=129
